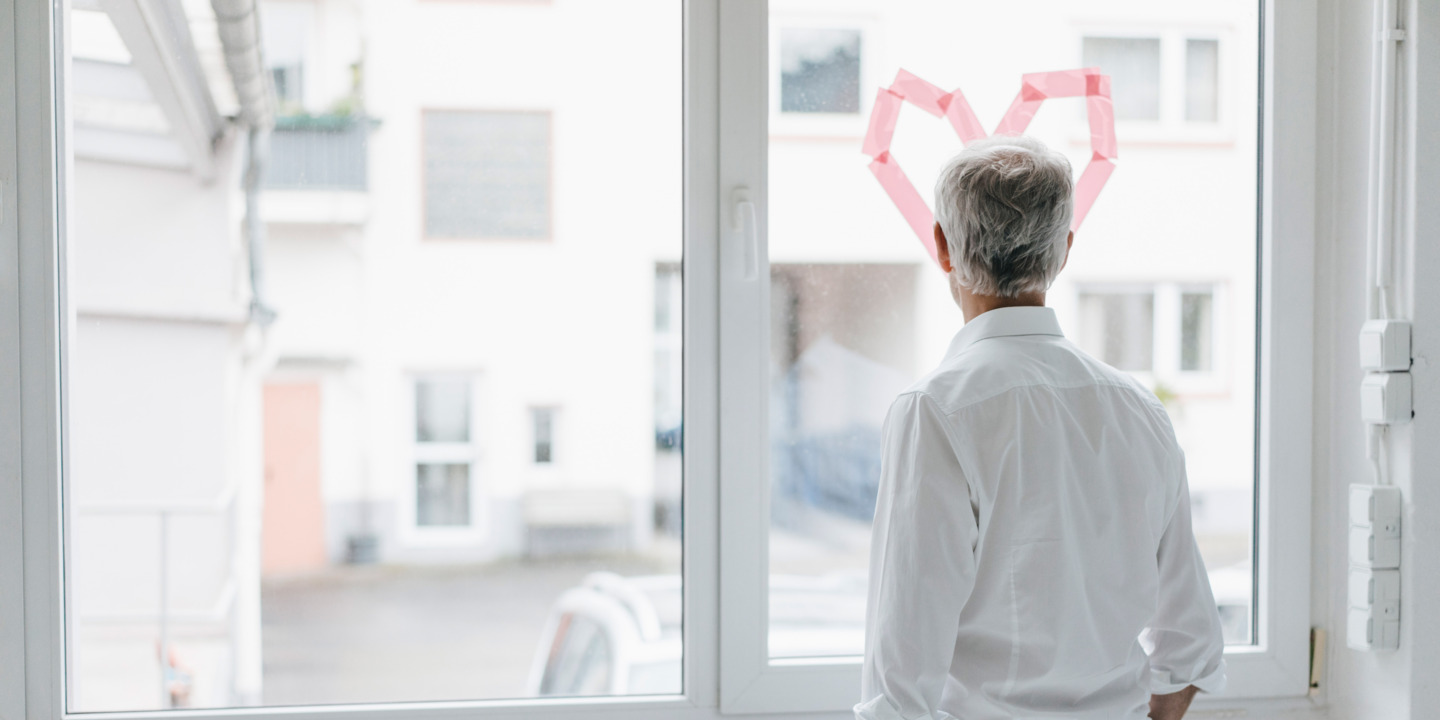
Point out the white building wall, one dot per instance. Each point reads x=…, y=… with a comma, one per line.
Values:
x=158, y=418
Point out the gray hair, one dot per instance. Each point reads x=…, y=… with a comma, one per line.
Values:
x=1005, y=205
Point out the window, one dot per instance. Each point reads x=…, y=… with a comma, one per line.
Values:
x=1171, y=79
x=348, y=460
x=1197, y=332
x=1162, y=330
x=1202, y=80
x=819, y=70
x=164, y=603
x=1133, y=65
x=1119, y=328
x=543, y=424
x=445, y=453
x=286, y=32
x=487, y=174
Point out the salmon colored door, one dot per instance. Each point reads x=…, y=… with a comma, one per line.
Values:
x=294, y=539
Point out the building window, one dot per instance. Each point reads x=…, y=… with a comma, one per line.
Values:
x=1164, y=329
x=1133, y=65
x=1118, y=327
x=542, y=420
x=1202, y=80
x=1156, y=80
x=819, y=70
x=288, y=81
x=487, y=174
x=1197, y=344
x=442, y=494
x=443, y=450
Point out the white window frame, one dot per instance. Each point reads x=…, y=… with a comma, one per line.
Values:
x=725, y=52
x=1277, y=666
x=412, y=533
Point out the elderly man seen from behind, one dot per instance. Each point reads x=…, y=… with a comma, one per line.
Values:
x=1032, y=553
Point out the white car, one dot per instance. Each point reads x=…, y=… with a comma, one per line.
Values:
x=621, y=636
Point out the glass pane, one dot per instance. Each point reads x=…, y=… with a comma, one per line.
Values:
x=1119, y=328
x=819, y=70
x=859, y=310
x=442, y=495
x=442, y=411
x=1133, y=65
x=307, y=465
x=544, y=433
x=1202, y=80
x=1196, y=331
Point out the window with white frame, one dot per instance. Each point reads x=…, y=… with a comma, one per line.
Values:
x=444, y=452
x=805, y=302
x=819, y=70
x=1169, y=79
x=1163, y=329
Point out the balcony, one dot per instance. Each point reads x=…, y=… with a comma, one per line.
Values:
x=319, y=152
x=317, y=173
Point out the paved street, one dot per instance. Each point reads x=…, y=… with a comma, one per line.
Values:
x=380, y=634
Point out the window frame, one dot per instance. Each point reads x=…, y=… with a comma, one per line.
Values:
x=725, y=55
x=1277, y=665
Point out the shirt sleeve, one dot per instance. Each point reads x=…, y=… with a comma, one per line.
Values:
x=922, y=566
x=1184, y=638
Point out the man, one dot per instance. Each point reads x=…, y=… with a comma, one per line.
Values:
x=1033, y=519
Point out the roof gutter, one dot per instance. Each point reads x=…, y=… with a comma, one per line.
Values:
x=238, y=23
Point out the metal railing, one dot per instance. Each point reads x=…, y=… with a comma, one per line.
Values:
x=220, y=611
x=319, y=153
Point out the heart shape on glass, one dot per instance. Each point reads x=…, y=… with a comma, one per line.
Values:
x=1035, y=88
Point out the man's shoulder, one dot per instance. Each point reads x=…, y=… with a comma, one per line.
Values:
x=990, y=369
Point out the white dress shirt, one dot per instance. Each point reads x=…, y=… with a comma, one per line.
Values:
x=1033, y=521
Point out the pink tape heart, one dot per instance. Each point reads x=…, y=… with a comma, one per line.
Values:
x=1035, y=88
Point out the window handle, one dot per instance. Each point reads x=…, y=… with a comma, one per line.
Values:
x=745, y=222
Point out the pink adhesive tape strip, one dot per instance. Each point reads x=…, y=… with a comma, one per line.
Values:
x=882, y=123
x=1060, y=83
x=1035, y=89
x=962, y=118
x=912, y=207
x=1087, y=188
x=920, y=93
x=1102, y=126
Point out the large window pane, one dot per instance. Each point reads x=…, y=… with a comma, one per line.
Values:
x=859, y=311
x=391, y=448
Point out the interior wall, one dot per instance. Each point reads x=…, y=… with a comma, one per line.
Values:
x=1399, y=684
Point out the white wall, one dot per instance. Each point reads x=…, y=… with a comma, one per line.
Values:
x=1402, y=684
x=161, y=409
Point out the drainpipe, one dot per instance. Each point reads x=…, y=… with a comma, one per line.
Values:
x=238, y=23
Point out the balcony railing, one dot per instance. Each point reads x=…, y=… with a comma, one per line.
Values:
x=325, y=152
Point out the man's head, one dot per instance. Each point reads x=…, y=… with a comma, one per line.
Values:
x=1002, y=210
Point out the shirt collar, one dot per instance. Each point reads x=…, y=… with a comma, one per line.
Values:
x=1006, y=321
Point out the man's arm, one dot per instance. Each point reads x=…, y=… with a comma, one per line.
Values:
x=1186, y=645
x=1172, y=706
x=922, y=566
